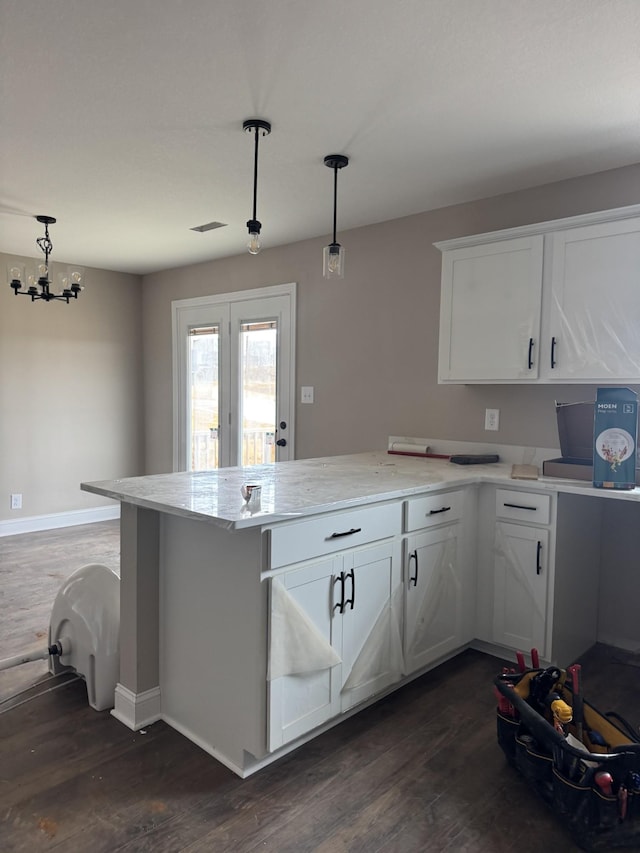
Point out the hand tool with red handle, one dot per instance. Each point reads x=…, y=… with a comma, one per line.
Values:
x=535, y=659
x=521, y=663
x=578, y=705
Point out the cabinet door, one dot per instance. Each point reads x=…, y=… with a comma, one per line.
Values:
x=490, y=311
x=433, y=597
x=520, y=586
x=371, y=622
x=301, y=701
x=592, y=309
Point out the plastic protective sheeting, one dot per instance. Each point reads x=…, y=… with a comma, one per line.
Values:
x=297, y=646
x=432, y=623
x=382, y=650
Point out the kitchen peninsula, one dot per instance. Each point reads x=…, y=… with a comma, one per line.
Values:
x=253, y=630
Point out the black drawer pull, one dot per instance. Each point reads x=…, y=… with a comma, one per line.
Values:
x=351, y=601
x=530, y=356
x=436, y=511
x=413, y=556
x=340, y=605
x=553, y=353
x=346, y=533
x=538, y=555
x=521, y=506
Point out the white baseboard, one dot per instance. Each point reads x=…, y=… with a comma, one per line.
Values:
x=137, y=710
x=73, y=517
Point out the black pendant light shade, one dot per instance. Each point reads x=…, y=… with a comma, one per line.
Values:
x=37, y=284
x=334, y=254
x=259, y=127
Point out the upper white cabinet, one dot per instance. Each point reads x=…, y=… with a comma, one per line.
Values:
x=554, y=302
x=592, y=309
x=490, y=311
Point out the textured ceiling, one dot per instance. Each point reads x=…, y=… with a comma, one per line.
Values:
x=123, y=118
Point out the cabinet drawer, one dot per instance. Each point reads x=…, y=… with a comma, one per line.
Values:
x=430, y=510
x=303, y=540
x=523, y=506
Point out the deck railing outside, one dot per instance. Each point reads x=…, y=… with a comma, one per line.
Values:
x=257, y=448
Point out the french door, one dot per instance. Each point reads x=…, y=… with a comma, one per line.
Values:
x=234, y=378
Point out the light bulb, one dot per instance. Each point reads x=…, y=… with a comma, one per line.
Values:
x=254, y=243
x=62, y=281
x=16, y=273
x=76, y=278
x=333, y=261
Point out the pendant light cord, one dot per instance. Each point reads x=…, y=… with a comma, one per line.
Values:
x=255, y=176
x=335, y=200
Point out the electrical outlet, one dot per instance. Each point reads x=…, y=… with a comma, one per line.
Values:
x=492, y=419
x=306, y=394
x=16, y=501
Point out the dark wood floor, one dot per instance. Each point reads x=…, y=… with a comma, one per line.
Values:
x=418, y=771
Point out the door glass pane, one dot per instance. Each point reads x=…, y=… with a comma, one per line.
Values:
x=258, y=349
x=204, y=394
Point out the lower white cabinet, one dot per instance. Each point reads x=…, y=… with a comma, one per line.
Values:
x=433, y=591
x=521, y=575
x=345, y=608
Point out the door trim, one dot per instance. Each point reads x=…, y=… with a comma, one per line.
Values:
x=179, y=307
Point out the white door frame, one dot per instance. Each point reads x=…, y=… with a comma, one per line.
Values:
x=184, y=314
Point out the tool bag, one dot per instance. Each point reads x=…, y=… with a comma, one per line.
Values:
x=595, y=788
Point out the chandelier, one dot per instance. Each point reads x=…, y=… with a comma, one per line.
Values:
x=37, y=284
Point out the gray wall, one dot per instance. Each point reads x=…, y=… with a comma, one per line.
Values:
x=70, y=393
x=369, y=344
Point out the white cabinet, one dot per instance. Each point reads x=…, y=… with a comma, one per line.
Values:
x=348, y=604
x=538, y=569
x=522, y=566
x=490, y=311
x=592, y=311
x=520, y=591
x=439, y=578
x=553, y=302
x=433, y=593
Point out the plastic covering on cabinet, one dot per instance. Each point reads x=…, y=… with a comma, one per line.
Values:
x=296, y=645
x=382, y=650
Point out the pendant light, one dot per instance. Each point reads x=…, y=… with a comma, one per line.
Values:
x=69, y=281
x=259, y=127
x=333, y=254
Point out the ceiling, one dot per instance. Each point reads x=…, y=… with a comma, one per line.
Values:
x=123, y=118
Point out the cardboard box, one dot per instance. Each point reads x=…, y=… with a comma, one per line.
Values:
x=575, y=431
x=615, y=433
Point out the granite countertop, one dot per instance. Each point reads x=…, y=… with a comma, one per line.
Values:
x=309, y=486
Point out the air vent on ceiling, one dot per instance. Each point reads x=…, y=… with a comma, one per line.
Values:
x=209, y=226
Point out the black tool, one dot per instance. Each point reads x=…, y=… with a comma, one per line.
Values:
x=474, y=458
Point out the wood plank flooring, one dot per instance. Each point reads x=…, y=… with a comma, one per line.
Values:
x=418, y=771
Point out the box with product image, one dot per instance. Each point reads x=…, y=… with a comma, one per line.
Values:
x=615, y=431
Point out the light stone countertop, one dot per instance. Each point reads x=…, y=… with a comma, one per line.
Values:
x=307, y=487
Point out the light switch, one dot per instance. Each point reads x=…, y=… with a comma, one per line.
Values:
x=306, y=394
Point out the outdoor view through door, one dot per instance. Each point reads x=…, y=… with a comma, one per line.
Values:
x=233, y=379
x=257, y=394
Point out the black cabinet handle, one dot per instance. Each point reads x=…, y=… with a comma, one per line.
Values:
x=346, y=533
x=553, y=353
x=538, y=555
x=436, y=511
x=413, y=580
x=521, y=506
x=530, y=356
x=351, y=601
x=340, y=604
